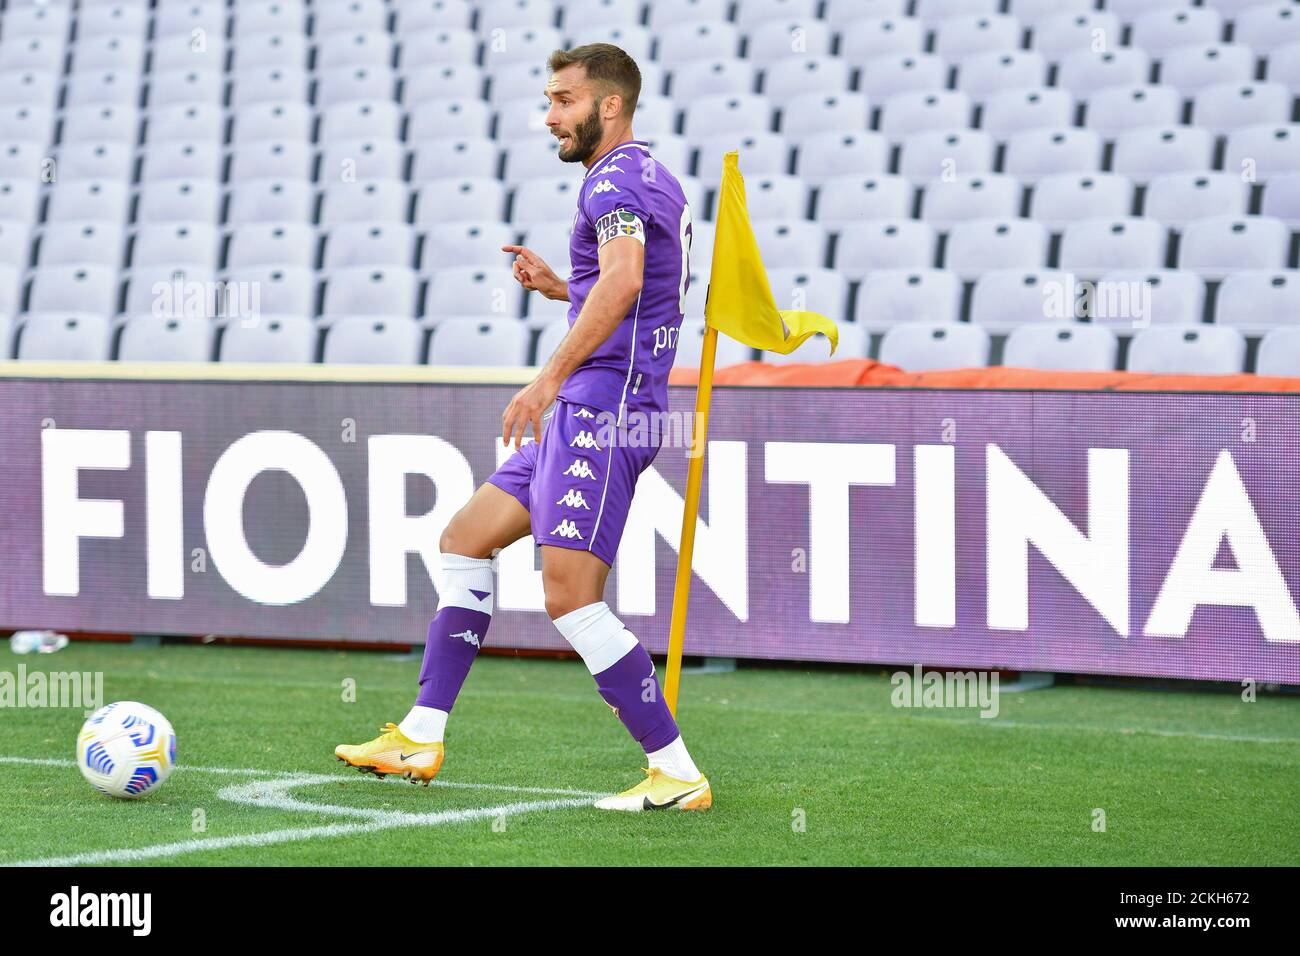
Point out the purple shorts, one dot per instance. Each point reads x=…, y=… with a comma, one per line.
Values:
x=577, y=489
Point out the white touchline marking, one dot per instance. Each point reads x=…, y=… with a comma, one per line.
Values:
x=274, y=794
x=1134, y=731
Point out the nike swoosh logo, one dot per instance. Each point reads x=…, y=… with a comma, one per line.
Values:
x=647, y=805
x=405, y=757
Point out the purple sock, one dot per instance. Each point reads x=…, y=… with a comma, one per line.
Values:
x=457, y=631
x=632, y=689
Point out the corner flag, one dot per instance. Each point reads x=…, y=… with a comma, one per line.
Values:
x=740, y=305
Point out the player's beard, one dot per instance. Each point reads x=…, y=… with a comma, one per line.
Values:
x=586, y=137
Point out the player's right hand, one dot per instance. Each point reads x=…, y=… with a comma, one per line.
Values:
x=534, y=274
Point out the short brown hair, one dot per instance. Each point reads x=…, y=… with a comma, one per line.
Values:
x=609, y=68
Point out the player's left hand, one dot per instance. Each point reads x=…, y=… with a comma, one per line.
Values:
x=527, y=406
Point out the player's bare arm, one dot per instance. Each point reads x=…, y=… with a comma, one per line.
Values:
x=622, y=270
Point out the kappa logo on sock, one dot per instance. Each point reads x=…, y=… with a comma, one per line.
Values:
x=573, y=499
x=469, y=637
x=580, y=469
x=567, y=529
x=584, y=439
x=583, y=413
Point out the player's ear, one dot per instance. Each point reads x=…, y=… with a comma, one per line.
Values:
x=612, y=106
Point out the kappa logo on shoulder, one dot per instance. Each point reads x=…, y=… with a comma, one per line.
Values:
x=604, y=186
x=584, y=439
x=567, y=529
x=580, y=469
x=573, y=499
x=469, y=637
x=611, y=168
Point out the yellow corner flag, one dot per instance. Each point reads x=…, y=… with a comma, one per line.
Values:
x=739, y=304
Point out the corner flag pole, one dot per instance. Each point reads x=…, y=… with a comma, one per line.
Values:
x=690, y=508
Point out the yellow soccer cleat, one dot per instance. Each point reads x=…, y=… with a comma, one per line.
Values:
x=394, y=752
x=658, y=791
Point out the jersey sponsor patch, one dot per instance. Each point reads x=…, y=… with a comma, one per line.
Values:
x=620, y=222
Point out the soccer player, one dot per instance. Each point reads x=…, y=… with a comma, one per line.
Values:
x=571, y=489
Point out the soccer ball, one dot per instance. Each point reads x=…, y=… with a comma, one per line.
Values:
x=126, y=749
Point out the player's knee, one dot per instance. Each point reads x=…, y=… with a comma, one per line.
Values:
x=457, y=539
x=564, y=595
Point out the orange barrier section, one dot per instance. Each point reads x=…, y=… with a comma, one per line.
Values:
x=872, y=374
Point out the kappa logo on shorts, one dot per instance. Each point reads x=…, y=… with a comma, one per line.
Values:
x=469, y=637
x=583, y=413
x=584, y=439
x=567, y=529
x=580, y=469
x=573, y=499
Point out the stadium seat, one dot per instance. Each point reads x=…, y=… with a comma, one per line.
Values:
x=1283, y=67
x=74, y=288
x=479, y=341
x=1090, y=247
x=545, y=199
x=197, y=243
x=184, y=122
x=361, y=119
x=474, y=199
x=978, y=245
x=967, y=34
x=473, y=290
x=934, y=12
x=373, y=340
x=889, y=297
x=179, y=200
x=971, y=196
x=1217, y=245
x=370, y=290
x=811, y=113
x=1058, y=200
x=1152, y=297
x=712, y=76
x=791, y=243
x=15, y=246
x=75, y=243
x=938, y=153
x=821, y=290
x=1161, y=30
x=983, y=74
x=727, y=113
x=841, y=153
x=682, y=42
x=271, y=200
x=894, y=73
x=1267, y=27
x=472, y=244
x=265, y=86
x=1263, y=151
x=922, y=346
x=1178, y=198
x=349, y=159
x=414, y=16
x=374, y=200
x=868, y=37
x=156, y=338
x=1067, y=32
x=101, y=124
x=761, y=154
x=774, y=40
x=846, y=199
x=64, y=336
x=442, y=119
x=454, y=158
x=1279, y=353
x=279, y=289
x=1282, y=198
x=172, y=289
x=272, y=244
x=345, y=18
x=784, y=80
x=348, y=84
x=442, y=81
x=369, y=244
x=165, y=88
x=1227, y=106
x=190, y=160
x=10, y=288
x=88, y=200
x=864, y=247
x=1188, y=350
x=924, y=111
x=1142, y=154
x=1016, y=111
x=1083, y=71
x=1192, y=68
x=1062, y=347
x=1115, y=109
x=776, y=197
x=1009, y=298
x=1035, y=153
x=1259, y=300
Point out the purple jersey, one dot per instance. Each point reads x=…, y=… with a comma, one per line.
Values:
x=627, y=192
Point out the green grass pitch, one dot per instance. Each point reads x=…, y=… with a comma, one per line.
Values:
x=808, y=767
